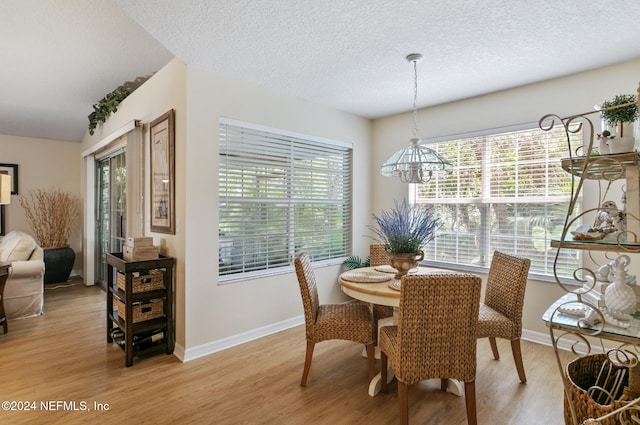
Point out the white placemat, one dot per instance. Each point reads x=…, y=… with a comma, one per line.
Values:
x=365, y=276
x=386, y=269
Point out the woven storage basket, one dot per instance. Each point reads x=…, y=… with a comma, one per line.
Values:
x=143, y=283
x=582, y=374
x=141, y=312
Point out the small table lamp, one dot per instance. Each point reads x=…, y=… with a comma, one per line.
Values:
x=5, y=189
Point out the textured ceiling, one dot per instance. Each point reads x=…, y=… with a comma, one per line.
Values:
x=59, y=57
x=65, y=55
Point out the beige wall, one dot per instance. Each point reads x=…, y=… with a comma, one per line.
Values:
x=210, y=316
x=43, y=164
x=563, y=96
x=164, y=91
x=221, y=312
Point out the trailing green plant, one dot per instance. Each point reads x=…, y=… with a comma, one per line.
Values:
x=110, y=102
x=405, y=228
x=615, y=114
x=106, y=106
x=355, y=262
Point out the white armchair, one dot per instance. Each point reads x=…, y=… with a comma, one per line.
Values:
x=23, y=292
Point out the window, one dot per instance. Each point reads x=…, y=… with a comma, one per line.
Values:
x=280, y=194
x=507, y=192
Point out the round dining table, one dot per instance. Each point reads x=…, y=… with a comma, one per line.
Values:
x=378, y=285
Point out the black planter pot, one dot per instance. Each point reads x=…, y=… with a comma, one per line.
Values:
x=58, y=263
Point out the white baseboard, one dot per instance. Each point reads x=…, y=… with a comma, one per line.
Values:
x=566, y=344
x=537, y=337
x=232, y=341
x=178, y=351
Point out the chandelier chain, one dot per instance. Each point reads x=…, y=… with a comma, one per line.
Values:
x=415, y=98
x=415, y=163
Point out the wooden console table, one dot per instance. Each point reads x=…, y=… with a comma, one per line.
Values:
x=4, y=274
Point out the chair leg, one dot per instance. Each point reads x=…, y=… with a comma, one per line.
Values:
x=307, y=362
x=517, y=357
x=470, y=400
x=403, y=401
x=494, y=348
x=371, y=360
x=383, y=372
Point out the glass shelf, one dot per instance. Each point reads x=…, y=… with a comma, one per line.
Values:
x=570, y=323
x=600, y=167
x=631, y=248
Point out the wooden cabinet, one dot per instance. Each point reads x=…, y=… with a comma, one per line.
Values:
x=140, y=303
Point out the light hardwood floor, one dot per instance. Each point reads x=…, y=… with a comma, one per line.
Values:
x=63, y=356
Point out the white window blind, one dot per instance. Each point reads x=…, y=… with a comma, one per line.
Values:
x=508, y=192
x=280, y=194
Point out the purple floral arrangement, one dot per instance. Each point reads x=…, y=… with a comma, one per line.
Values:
x=405, y=228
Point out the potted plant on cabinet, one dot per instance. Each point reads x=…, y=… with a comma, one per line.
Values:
x=404, y=231
x=618, y=113
x=51, y=215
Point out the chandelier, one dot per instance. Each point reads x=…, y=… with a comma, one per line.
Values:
x=415, y=163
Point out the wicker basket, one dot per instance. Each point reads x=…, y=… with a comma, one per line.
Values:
x=143, y=283
x=582, y=374
x=144, y=311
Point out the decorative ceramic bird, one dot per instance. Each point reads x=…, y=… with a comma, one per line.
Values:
x=606, y=216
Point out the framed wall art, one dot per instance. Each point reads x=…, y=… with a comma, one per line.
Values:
x=12, y=170
x=162, y=151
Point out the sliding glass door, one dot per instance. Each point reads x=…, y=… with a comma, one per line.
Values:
x=111, y=200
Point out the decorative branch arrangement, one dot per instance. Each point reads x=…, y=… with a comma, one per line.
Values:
x=51, y=214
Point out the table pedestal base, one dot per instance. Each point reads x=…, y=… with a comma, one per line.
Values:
x=376, y=382
x=376, y=355
x=454, y=386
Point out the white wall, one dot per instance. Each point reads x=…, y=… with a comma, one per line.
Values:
x=42, y=164
x=563, y=96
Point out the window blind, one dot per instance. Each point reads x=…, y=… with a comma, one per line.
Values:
x=280, y=195
x=508, y=192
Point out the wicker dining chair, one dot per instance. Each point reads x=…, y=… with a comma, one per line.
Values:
x=501, y=312
x=435, y=335
x=378, y=257
x=350, y=321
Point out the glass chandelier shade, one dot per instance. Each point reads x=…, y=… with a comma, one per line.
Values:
x=415, y=163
